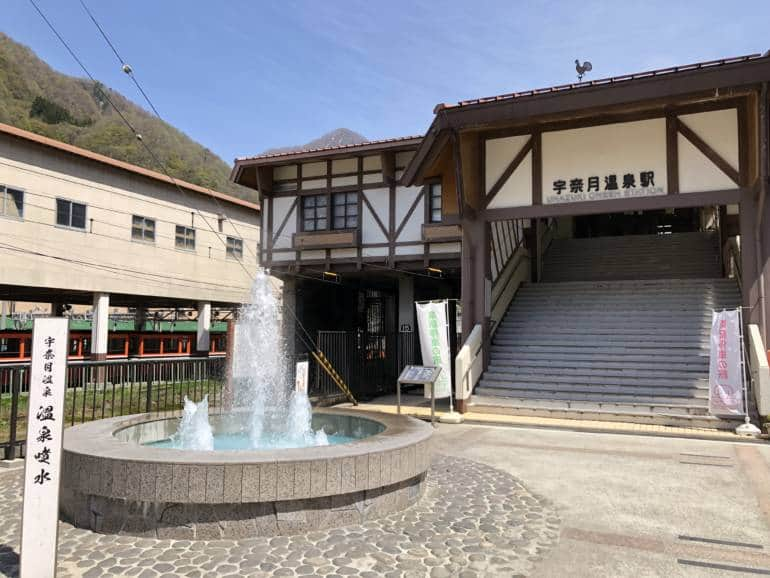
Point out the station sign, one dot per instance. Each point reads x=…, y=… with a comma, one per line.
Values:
x=43, y=465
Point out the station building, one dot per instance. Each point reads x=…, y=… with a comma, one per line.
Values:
x=82, y=231
x=589, y=230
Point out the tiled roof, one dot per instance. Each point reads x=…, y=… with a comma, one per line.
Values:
x=301, y=151
x=605, y=81
x=62, y=146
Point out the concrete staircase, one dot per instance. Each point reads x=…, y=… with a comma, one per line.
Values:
x=624, y=350
x=678, y=256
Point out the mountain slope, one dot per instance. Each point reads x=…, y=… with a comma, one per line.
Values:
x=36, y=98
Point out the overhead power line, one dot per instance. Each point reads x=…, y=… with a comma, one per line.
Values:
x=305, y=335
x=125, y=120
x=128, y=69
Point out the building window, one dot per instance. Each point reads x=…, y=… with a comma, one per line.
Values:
x=434, y=202
x=11, y=202
x=314, y=213
x=142, y=229
x=185, y=238
x=234, y=248
x=345, y=210
x=70, y=214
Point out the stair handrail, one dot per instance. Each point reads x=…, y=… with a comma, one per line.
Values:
x=513, y=273
x=469, y=363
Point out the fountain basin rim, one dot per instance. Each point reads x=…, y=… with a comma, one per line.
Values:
x=97, y=439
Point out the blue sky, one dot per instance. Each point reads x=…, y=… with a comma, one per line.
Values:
x=242, y=76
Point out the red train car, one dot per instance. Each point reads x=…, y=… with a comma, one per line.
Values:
x=15, y=346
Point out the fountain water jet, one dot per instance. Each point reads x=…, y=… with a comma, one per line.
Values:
x=278, y=417
x=195, y=431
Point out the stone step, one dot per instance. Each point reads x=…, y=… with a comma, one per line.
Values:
x=673, y=398
x=594, y=412
x=576, y=329
x=646, y=367
x=553, y=380
x=564, y=352
x=595, y=370
x=626, y=406
x=603, y=341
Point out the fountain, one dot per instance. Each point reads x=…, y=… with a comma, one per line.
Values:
x=277, y=417
x=269, y=466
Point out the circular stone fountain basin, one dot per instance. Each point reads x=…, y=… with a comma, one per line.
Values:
x=116, y=481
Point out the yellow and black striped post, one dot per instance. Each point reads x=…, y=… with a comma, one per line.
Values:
x=336, y=378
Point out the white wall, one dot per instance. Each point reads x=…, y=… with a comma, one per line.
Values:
x=603, y=150
x=719, y=130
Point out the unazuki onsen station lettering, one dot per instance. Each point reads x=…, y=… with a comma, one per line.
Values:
x=654, y=184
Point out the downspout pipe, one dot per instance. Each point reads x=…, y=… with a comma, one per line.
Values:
x=764, y=159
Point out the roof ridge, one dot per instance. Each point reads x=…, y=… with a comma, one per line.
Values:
x=329, y=148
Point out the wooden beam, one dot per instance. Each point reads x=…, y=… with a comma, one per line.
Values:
x=709, y=152
x=459, y=185
x=672, y=153
x=509, y=170
x=743, y=143
x=537, y=168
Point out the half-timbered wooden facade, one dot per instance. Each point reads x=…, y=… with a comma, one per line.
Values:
x=341, y=229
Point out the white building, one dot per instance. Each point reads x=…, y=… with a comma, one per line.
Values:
x=80, y=228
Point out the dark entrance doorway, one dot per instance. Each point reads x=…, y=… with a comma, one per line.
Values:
x=657, y=222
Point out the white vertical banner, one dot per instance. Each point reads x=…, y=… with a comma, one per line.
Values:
x=725, y=367
x=433, y=327
x=301, y=376
x=42, y=468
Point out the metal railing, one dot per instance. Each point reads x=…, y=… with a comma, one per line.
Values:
x=104, y=389
x=369, y=363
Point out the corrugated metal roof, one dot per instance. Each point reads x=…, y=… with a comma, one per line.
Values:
x=604, y=81
x=301, y=151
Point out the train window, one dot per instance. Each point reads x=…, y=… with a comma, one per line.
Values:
x=151, y=345
x=170, y=345
x=10, y=347
x=116, y=345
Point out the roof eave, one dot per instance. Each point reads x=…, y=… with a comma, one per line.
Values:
x=283, y=158
x=682, y=83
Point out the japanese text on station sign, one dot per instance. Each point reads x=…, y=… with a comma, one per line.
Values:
x=43, y=463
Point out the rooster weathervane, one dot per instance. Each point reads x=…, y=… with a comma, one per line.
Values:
x=582, y=68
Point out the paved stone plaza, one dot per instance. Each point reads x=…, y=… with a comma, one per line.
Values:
x=473, y=520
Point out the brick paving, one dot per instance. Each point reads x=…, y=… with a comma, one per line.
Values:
x=473, y=520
